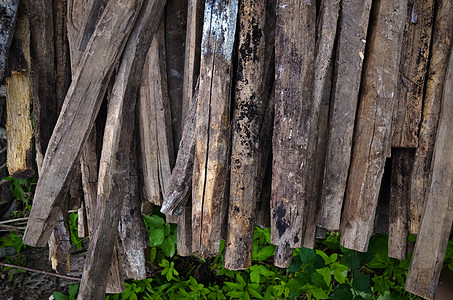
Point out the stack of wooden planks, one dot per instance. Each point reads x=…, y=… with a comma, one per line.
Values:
x=233, y=113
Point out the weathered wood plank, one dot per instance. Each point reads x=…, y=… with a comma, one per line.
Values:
x=402, y=160
x=78, y=115
x=249, y=107
x=19, y=132
x=283, y=257
x=8, y=18
x=350, y=50
x=372, y=134
x=437, y=219
x=212, y=126
x=294, y=62
x=411, y=80
x=420, y=178
x=115, y=158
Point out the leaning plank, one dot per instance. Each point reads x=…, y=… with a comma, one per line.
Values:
x=294, y=59
x=437, y=218
x=78, y=114
x=411, y=80
x=212, y=126
x=372, y=135
x=420, y=177
x=117, y=140
x=249, y=106
x=402, y=160
x=353, y=27
x=8, y=15
x=18, y=103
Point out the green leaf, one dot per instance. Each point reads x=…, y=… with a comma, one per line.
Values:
x=318, y=280
x=168, y=247
x=342, y=292
x=382, y=284
x=254, y=293
x=255, y=276
x=296, y=264
x=326, y=274
x=319, y=293
x=307, y=256
x=236, y=294
x=361, y=282
x=324, y=256
x=353, y=260
x=266, y=252
x=19, y=193
x=152, y=254
x=156, y=236
x=240, y=280
x=295, y=284
x=73, y=289
x=265, y=271
x=154, y=221
x=60, y=296
x=338, y=275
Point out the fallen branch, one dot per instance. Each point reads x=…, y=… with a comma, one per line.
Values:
x=40, y=272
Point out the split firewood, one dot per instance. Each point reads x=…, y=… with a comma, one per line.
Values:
x=156, y=141
x=350, y=54
x=184, y=234
x=323, y=69
x=78, y=115
x=294, y=121
x=249, y=106
x=440, y=51
x=117, y=138
x=372, y=134
x=8, y=16
x=437, y=218
x=19, y=155
x=283, y=256
x=212, y=144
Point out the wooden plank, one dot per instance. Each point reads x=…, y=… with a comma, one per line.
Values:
x=19, y=132
x=420, y=178
x=323, y=73
x=294, y=60
x=78, y=115
x=372, y=134
x=437, y=219
x=60, y=246
x=212, y=126
x=8, y=18
x=184, y=243
x=249, y=107
x=402, y=160
x=350, y=53
x=283, y=257
x=412, y=74
x=113, y=167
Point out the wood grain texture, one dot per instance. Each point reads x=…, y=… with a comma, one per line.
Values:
x=372, y=134
x=437, y=218
x=78, y=115
x=213, y=126
x=8, y=18
x=412, y=74
x=440, y=50
x=350, y=53
x=294, y=59
x=283, y=257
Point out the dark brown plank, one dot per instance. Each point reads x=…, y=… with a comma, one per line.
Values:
x=8, y=18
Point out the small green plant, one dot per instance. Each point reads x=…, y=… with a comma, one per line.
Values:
x=73, y=289
x=73, y=230
x=22, y=189
x=17, y=261
x=162, y=236
x=12, y=240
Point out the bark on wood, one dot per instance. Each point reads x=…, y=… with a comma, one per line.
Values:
x=184, y=234
x=156, y=141
x=8, y=16
x=78, y=115
x=250, y=103
x=420, y=178
x=116, y=148
x=294, y=110
x=412, y=74
x=350, y=53
x=437, y=218
x=18, y=102
x=60, y=246
x=372, y=134
x=212, y=126
x=402, y=160
x=283, y=257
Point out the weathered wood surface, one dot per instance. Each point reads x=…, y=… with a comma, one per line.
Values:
x=350, y=54
x=411, y=80
x=372, y=134
x=323, y=69
x=402, y=160
x=60, y=246
x=294, y=59
x=156, y=141
x=437, y=217
x=8, y=18
x=283, y=256
x=249, y=107
x=19, y=132
x=440, y=50
x=212, y=126
x=116, y=148
x=78, y=115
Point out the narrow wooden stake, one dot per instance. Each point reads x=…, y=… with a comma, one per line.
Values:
x=420, y=178
x=78, y=115
x=372, y=135
x=283, y=257
x=212, y=126
x=350, y=54
x=437, y=218
x=294, y=62
x=8, y=18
